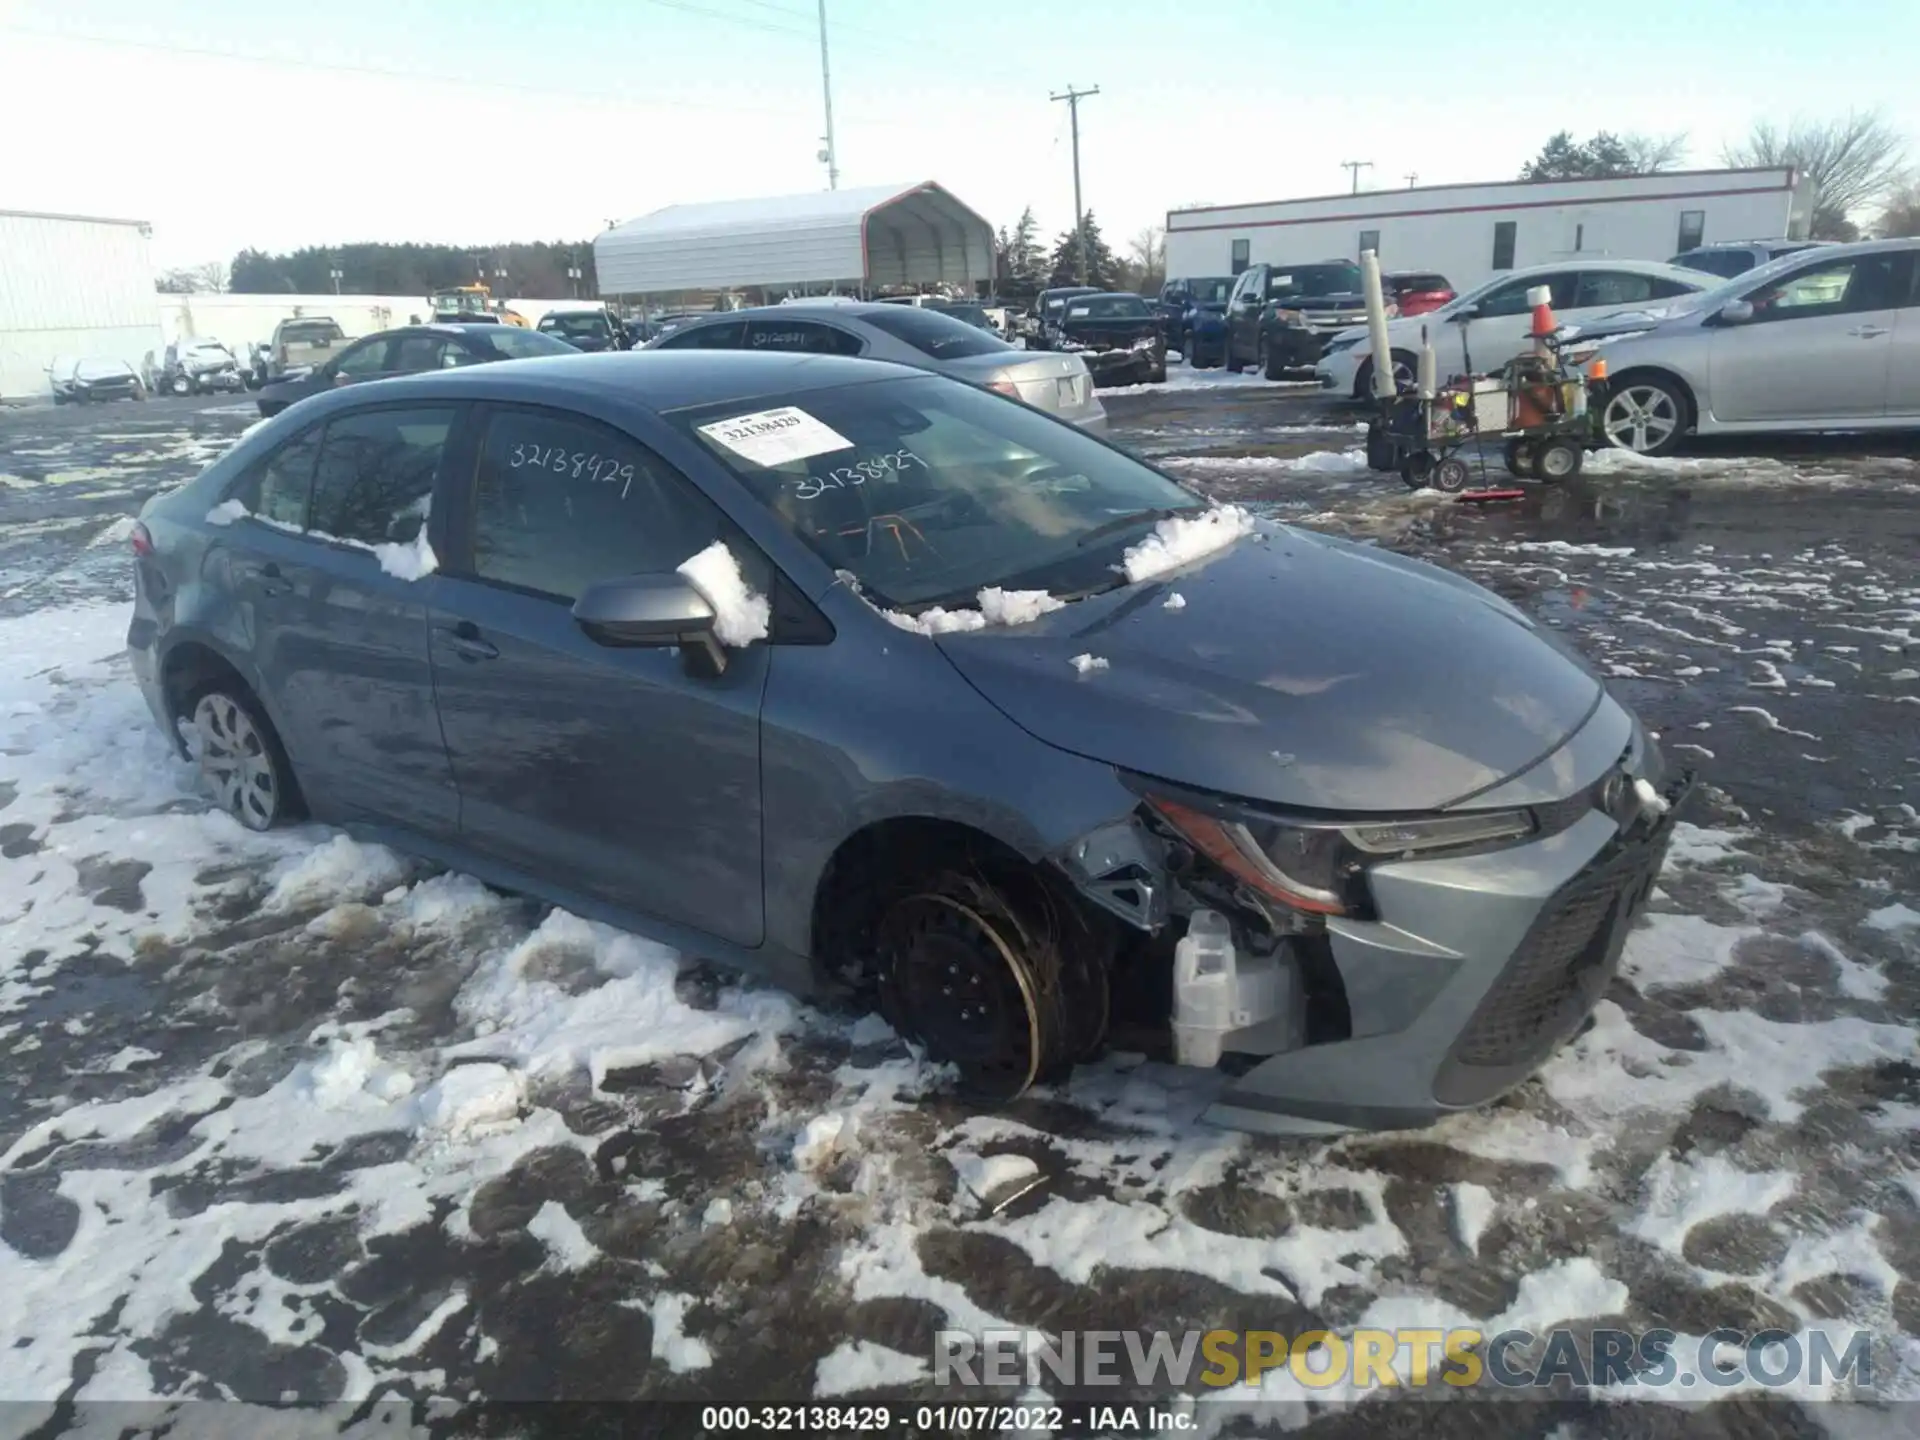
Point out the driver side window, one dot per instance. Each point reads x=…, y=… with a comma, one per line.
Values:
x=1838, y=288
x=1511, y=298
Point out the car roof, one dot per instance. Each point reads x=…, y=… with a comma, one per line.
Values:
x=1112, y=295
x=1603, y=262
x=655, y=380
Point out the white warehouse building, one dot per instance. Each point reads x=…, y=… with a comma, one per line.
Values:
x=71, y=285
x=1469, y=233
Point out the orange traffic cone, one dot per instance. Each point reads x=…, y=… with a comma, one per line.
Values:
x=1540, y=297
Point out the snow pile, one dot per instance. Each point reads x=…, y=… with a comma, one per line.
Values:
x=860, y=1365
x=1175, y=601
x=1179, y=541
x=1086, y=663
x=740, y=615
x=342, y=868
x=470, y=1099
x=1317, y=462
x=413, y=560
x=996, y=607
x=567, y=1245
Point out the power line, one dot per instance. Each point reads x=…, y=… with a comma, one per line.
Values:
x=1354, y=167
x=604, y=97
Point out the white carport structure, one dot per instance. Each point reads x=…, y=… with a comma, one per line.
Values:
x=865, y=239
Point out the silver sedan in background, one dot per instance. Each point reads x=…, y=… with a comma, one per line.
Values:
x=1826, y=338
x=912, y=335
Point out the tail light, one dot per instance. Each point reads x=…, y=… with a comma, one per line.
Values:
x=1004, y=387
x=142, y=540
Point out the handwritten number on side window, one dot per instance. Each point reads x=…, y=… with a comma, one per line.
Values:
x=579, y=464
x=886, y=466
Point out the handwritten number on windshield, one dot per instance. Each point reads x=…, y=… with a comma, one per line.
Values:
x=579, y=464
x=887, y=466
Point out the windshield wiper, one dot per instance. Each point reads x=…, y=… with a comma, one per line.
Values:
x=1123, y=522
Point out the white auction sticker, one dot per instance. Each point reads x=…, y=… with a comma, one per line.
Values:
x=773, y=437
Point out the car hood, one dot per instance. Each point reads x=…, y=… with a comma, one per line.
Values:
x=1301, y=671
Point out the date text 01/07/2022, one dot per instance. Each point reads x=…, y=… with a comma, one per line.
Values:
x=941, y=1419
x=578, y=463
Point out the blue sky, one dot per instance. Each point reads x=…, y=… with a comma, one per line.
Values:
x=477, y=120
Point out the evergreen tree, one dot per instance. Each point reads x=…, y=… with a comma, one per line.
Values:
x=1103, y=270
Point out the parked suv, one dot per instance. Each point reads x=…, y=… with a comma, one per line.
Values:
x=1280, y=317
x=869, y=683
x=1180, y=298
x=1737, y=257
x=303, y=343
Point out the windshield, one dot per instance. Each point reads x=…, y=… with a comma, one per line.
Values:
x=312, y=334
x=932, y=333
x=1109, y=307
x=1211, y=291
x=100, y=369
x=1057, y=300
x=926, y=490
x=514, y=343
x=585, y=323
x=1304, y=281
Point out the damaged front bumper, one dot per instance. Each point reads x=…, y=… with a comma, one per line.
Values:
x=1490, y=963
x=1472, y=971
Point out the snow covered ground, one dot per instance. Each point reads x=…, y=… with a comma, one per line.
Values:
x=289, y=1115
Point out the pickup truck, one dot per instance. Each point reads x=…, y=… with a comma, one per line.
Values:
x=302, y=344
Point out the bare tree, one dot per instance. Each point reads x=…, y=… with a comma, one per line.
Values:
x=1856, y=163
x=1147, y=256
x=1651, y=154
x=1902, y=215
x=210, y=276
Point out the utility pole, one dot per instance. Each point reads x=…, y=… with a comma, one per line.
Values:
x=827, y=156
x=1412, y=177
x=1073, y=98
x=1354, y=167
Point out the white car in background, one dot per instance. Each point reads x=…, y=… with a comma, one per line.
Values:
x=1487, y=326
x=1821, y=339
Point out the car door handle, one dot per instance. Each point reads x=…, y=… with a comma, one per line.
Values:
x=1868, y=332
x=465, y=641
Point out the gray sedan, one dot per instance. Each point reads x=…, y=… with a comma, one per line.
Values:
x=907, y=335
x=1826, y=338
x=884, y=686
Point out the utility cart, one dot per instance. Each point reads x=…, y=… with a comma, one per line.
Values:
x=1537, y=404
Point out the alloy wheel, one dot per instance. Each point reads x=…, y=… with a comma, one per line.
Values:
x=1641, y=418
x=235, y=761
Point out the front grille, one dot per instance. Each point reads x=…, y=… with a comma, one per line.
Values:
x=1555, y=975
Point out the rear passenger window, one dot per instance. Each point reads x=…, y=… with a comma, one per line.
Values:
x=376, y=471
x=414, y=353
x=277, y=488
x=730, y=336
x=808, y=336
x=562, y=502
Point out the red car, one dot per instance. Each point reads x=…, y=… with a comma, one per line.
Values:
x=1415, y=292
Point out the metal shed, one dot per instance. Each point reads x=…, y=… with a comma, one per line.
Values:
x=880, y=235
x=71, y=285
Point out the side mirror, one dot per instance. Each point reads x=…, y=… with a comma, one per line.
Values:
x=1735, y=312
x=649, y=611
x=1464, y=314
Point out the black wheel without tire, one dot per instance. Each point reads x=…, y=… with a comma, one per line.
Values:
x=1519, y=457
x=241, y=760
x=992, y=978
x=1417, y=469
x=1558, y=460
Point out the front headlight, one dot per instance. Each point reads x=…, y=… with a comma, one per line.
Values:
x=1335, y=346
x=1290, y=317
x=1145, y=342
x=1313, y=866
